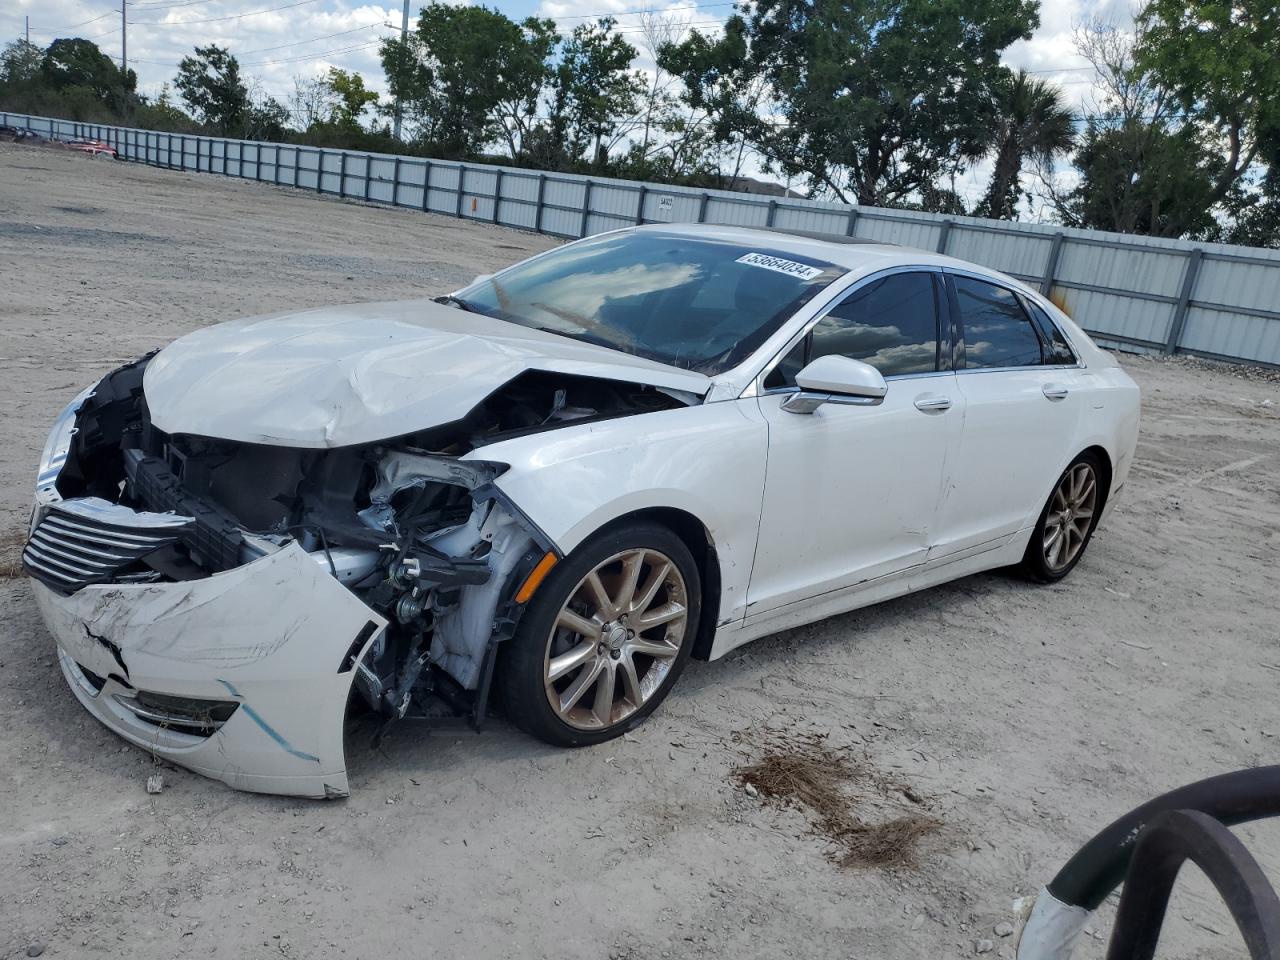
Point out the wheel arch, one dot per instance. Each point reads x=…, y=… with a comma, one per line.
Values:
x=702, y=545
x=1108, y=470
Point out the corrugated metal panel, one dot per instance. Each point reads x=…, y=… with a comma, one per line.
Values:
x=1116, y=314
x=1227, y=334
x=1143, y=271
x=906, y=233
x=1129, y=288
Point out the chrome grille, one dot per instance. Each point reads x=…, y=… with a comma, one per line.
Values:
x=90, y=540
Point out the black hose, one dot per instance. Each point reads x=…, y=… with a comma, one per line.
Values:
x=1100, y=865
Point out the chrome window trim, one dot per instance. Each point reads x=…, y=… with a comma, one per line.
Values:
x=1020, y=292
x=772, y=391
x=757, y=387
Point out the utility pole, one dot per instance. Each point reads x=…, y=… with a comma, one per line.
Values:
x=404, y=36
x=124, y=50
x=28, y=19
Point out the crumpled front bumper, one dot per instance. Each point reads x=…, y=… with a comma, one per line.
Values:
x=279, y=636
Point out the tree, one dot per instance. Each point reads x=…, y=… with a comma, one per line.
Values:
x=594, y=92
x=210, y=85
x=871, y=100
x=718, y=87
x=1142, y=178
x=1141, y=169
x=456, y=69
x=349, y=98
x=1032, y=122
x=1221, y=59
x=311, y=102
x=20, y=63
x=77, y=63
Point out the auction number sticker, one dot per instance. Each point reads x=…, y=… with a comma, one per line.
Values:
x=792, y=269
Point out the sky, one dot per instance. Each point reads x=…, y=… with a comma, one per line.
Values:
x=278, y=40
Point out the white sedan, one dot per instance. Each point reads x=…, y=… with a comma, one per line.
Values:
x=554, y=486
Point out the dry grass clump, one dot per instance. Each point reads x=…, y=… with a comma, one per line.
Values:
x=11, y=545
x=802, y=770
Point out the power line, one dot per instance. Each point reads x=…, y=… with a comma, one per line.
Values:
x=238, y=16
x=327, y=36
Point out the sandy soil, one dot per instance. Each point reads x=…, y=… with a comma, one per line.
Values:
x=1030, y=716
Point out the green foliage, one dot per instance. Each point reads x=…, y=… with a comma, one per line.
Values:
x=210, y=85
x=873, y=100
x=456, y=69
x=1141, y=177
x=1221, y=58
x=350, y=98
x=593, y=92
x=20, y=63
x=80, y=64
x=1031, y=122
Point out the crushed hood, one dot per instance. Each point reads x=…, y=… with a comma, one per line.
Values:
x=337, y=376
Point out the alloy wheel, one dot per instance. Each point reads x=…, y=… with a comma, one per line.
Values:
x=615, y=639
x=1066, y=526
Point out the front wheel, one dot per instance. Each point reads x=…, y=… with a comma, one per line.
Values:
x=1067, y=522
x=604, y=638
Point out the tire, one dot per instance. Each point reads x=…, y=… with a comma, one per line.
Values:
x=552, y=653
x=1071, y=512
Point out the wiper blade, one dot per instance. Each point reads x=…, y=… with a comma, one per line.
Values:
x=458, y=302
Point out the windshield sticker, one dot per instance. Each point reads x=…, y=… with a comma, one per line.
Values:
x=801, y=271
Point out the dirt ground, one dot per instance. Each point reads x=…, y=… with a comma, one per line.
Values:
x=1027, y=717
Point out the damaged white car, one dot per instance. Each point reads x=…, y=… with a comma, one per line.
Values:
x=547, y=491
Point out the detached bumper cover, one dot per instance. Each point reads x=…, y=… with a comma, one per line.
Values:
x=279, y=636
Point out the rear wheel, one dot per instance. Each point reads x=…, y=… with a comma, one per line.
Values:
x=604, y=638
x=1067, y=522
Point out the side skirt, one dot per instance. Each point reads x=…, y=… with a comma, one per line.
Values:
x=864, y=595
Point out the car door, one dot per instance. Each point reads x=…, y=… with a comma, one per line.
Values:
x=1022, y=406
x=851, y=490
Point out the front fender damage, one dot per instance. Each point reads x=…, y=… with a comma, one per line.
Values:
x=225, y=638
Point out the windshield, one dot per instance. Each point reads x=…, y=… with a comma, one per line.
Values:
x=698, y=303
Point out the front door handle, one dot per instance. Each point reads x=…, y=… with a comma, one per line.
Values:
x=933, y=403
x=1054, y=391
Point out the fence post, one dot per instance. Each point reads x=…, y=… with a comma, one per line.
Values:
x=586, y=210
x=368, y=175
x=942, y=236
x=426, y=185
x=395, y=182
x=297, y=162
x=497, y=193
x=772, y=214
x=342, y=175
x=462, y=175
x=1051, y=267
x=644, y=190
x=702, y=207
x=852, y=226
x=537, y=210
x=1184, y=300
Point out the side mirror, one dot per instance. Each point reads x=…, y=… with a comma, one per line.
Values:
x=836, y=379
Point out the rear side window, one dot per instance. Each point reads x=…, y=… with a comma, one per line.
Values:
x=1056, y=349
x=997, y=331
x=890, y=323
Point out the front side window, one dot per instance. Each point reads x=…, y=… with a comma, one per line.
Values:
x=695, y=302
x=997, y=331
x=890, y=323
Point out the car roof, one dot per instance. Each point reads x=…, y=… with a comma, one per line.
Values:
x=856, y=254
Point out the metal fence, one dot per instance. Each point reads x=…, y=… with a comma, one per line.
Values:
x=1142, y=294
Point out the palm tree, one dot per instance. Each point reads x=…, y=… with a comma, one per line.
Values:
x=1032, y=122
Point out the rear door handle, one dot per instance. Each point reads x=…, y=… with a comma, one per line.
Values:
x=933, y=403
x=1054, y=391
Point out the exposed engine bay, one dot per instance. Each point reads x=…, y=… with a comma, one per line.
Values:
x=422, y=537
